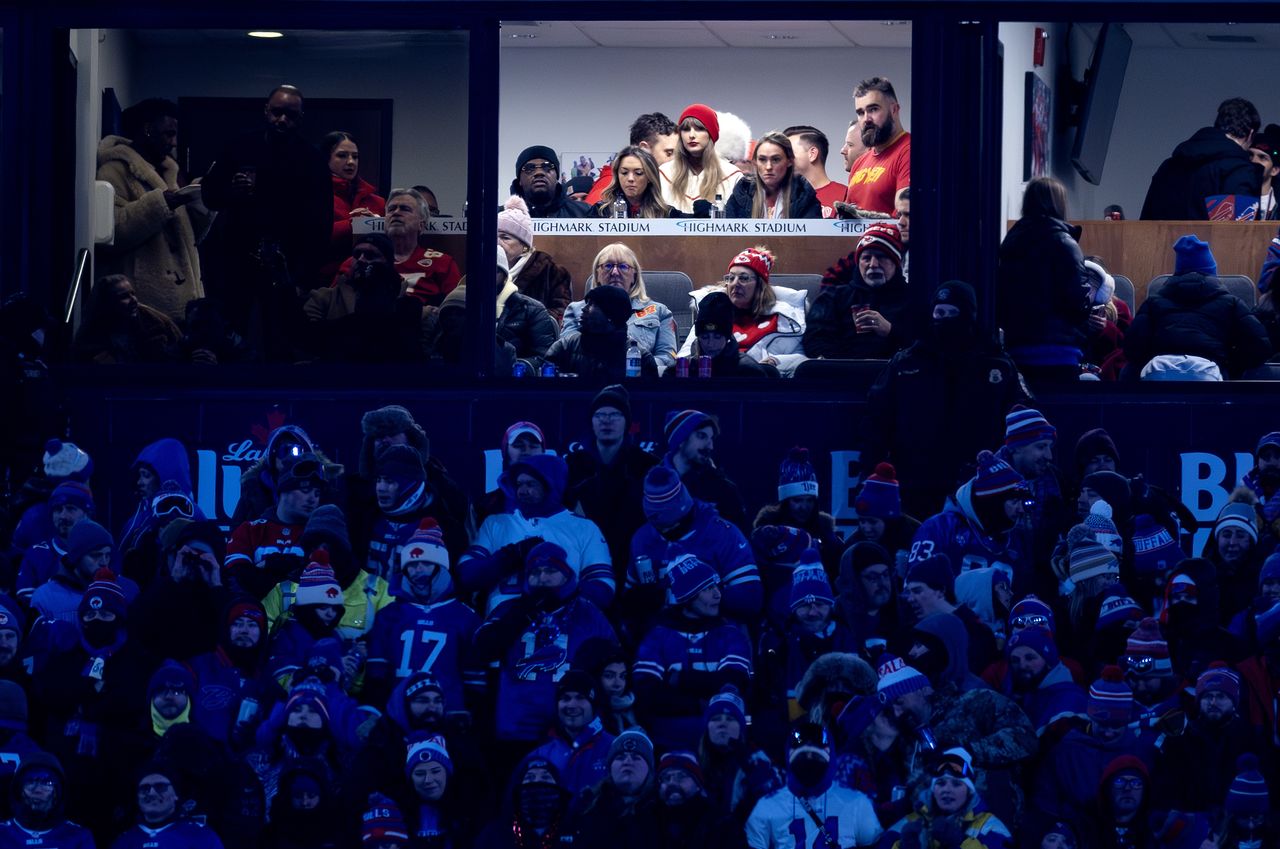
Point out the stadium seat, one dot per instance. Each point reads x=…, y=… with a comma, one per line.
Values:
x=1239, y=285
x=1124, y=291
x=672, y=288
x=808, y=283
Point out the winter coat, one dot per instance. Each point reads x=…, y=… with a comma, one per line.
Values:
x=1195, y=769
x=537, y=276
x=821, y=528
x=804, y=200
x=831, y=334
x=582, y=761
x=348, y=195
x=258, y=481
x=1204, y=165
x=167, y=460
x=1057, y=699
x=784, y=344
x=1042, y=292
x=151, y=337
x=958, y=533
x=600, y=358
x=979, y=829
x=710, y=484
x=526, y=324
x=559, y=206
x=651, y=324
x=685, y=203
x=154, y=245
x=1194, y=314
x=1068, y=778
x=178, y=834
x=602, y=818
x=611, y=495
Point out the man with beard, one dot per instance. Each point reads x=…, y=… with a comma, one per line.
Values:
x=1028, y=448
x=866, y=596
x=812, y=810
x=621, y=811
x=863, y=308
x=884, y=170
x=1149, y=672
x=538, y=182
x=598, y=349
x=1195, y=769
x=39, y=817
x=161, y=824
x=1040, y=684
x=266, y=550
x=232, y=686
x=1123, y=798
x=70, y=502
x=90, y=549
x=426, y=630
x=797, y=507
x=13, y=632
x=939, y=402
x=685, y=817
x=275, y=195
x=691, y=444
x=678, y=525
x=689, y=655
x=579, y=744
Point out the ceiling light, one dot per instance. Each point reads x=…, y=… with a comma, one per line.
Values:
x=776, y=37
x=524, y=35
x=265, y=33
x=894, y=23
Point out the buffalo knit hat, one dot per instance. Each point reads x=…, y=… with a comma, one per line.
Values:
x=1023, y=426
x=996, y=478
x=666, y=499
x=312, y=694
x=879, y=497
x=1110, y=699
x=426, y=543
x=382, y=822
x=796, y=475
x=1154, y=550
x=74, y=493
x=687, y=576
x=1191, y=254
x=1038, y=640
x=1089, y=560
x=705, y=115
x=1031, y=612
x=727, y=702
x=1248, y=792
x=1146, y=653
x=881, y=236
x=1104, y=529
x=318, y=584
x=809, y=584
x=428, y=750
x=632, y=741
x=103, y=594
x=681, y=424
x=1117, y=608
x=759, y=259
x=1218, y=678
x=897, y=679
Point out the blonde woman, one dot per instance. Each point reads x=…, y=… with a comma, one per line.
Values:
x=775, y=190
x=697, y=172
x=651, y=324
x=636, y=180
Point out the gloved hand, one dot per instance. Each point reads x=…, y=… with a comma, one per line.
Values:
x=511, y=557
x=947, y=831
x=701, y=208
x=910, y=835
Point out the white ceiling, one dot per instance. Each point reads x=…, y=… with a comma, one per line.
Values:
x=793, y=34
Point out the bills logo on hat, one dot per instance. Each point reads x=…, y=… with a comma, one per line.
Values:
x=995, y=376
x=332, y=592
x=416, y=553
x=95, y=602
x=4, y=618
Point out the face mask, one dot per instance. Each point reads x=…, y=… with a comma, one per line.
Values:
x=100, y=634
x=951, y=333
x=808, y=771
x=1269, y=477
x=539, y=803
x=305, y=739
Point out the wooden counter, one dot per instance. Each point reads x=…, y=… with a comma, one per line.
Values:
x=1143, y=250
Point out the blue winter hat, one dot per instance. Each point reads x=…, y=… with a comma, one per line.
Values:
x=1192, y=254
x=666, y=499
x=86, y=536
x=796, y=475
x=1038, y=640
x=72, y=492
x=681, y=424
x=726, y=701
x=935, y=572
x=11, y=617
x=809, y=582
x=1117, y=607
x=1268, y=624
x=428, y=750
x=1023, y=426
x=1248, y=791
x=879, y=497
x=897, y=679
x=171, y=675
x=1272, y=439
x=687, y=576
x=996, y=478
x=1154, y=550
x=1270, y=570
x=549, y=554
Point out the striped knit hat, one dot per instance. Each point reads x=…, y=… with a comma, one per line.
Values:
x=809, y=582
x=1146, y=653
x=1031, y=607
x=681, y=424
x=1237, y=515
x=103, y=594
x=897, y=679
x=318, y=584
x=666, y=500
x=1110, y=699
x=382, y=822
x=1248, y=791
x=1090, y=559
x=428, y=750
x=1117, y=608
x=1154, y=550
x=796, y=475
x=879, y=496
x=1218, y=678
x=1104, y=530
x=689, y=576
x=884, y=236
x=1023, y=426
x=995, y=477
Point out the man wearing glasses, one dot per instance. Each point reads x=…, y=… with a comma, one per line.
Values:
x=538, y=182
x=160, y=820
x=39, y=808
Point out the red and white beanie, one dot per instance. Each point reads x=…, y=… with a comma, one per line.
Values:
x=427, y=543
x=884, y=236
x=318, y=584
x=759, y=259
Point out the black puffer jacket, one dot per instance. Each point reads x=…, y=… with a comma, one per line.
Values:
x=1194, y=314
x=804, y=200
x=596, y=356
x=1206, y=164
x=829, y=330
x=1042, y=287
x=526, y=325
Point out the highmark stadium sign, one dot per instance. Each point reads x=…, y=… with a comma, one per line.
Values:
x=841, y=228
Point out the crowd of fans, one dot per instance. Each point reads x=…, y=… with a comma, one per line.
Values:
x=612, y=649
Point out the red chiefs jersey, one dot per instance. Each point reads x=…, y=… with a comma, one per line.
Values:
x=428, y=274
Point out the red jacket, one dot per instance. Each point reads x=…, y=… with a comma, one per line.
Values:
x=348, y=195
x=428, y=274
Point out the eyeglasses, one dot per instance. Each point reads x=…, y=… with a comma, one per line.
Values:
x=1127, y=782
x=602, y=416
x=535, y=167
x=160, y=787
x=1030, y=620
x=1140, y=663
x=739, y=278
x=175, y=689
x=615, y=266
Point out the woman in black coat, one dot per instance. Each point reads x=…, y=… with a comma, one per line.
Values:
x=775, y=190
x=1042, y=287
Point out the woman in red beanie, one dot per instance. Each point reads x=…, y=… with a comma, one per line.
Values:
x=697, y=172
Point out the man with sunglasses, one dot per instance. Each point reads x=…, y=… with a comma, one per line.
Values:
x=265, y=551
x=538, y=182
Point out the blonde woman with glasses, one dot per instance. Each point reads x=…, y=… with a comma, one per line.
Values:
x=651, y=324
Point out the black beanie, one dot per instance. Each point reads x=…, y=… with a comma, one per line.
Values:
x=380, y=241
x=715, y=314
x=960, y=295
x=537, y=151
x=615, y=303
x=615, y=396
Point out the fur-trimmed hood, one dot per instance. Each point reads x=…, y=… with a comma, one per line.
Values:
x=388, y=421
x=825, y=673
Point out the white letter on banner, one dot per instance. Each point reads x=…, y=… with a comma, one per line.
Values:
x=843, y=483
x=206, y=483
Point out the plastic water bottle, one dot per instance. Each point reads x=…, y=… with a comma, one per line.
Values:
x=620, y=207
x=717, y=207
x=633, y=358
